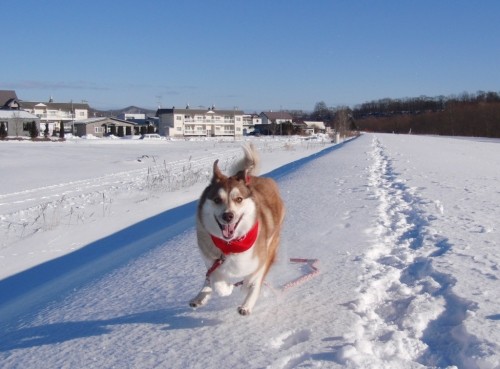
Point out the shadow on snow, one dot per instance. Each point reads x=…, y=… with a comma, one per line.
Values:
x=66, y=331
x=32, y=289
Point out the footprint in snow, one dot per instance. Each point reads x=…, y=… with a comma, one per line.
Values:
x=289, y=339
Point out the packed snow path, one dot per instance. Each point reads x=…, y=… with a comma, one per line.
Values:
x=401, y=294
x=389, y=294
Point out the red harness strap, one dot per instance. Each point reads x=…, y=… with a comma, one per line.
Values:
x=241, y=244
x=217, y=263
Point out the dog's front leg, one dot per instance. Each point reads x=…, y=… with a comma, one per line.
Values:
x=253, y=285
x=203, y=296
x=250, y=300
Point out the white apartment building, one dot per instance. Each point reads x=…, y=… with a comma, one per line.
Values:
x=53, y=114
x=249, y=123
x=199, y=122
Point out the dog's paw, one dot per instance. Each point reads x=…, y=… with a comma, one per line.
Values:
x=243, y=310
x=195, y=303
x=200, y=300
x=223, y=288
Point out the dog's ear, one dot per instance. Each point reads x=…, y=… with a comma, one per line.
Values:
x=218, y=176
x=244, y=175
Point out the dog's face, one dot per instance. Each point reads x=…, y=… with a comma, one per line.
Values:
x=227, y=209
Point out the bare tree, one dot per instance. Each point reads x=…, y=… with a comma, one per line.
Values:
x=18, y=123
x=342, y=122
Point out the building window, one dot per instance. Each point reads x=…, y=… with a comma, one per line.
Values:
x=178, y=117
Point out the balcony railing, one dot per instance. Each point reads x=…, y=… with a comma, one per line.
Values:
x=191, y=132
x=209, y=121
x=56, y=116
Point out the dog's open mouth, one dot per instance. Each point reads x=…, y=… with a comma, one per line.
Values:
x=228, y=229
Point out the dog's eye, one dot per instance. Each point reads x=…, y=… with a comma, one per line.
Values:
x=239, y=199
x=217, y=200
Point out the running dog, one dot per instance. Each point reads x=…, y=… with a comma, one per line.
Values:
x=238, y=226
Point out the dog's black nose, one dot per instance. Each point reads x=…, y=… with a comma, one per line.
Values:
x=228, y=216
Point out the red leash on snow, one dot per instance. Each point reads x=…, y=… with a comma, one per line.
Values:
x=312, y=263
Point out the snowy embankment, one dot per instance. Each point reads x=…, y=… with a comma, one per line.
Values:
x=96, y=188
x=406, y=233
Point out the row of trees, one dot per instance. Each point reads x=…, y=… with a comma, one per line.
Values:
x=421, y=104
x=463, y=115
x=467, y=114
x=480, y=120
x=31, y=127
x=339, y=118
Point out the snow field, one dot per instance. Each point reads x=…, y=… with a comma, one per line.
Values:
x=46, y=206
x=408, y=273
x=408, y=309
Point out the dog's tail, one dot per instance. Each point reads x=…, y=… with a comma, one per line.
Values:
x=250, y=161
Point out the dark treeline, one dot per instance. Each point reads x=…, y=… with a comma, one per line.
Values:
x=466, y=114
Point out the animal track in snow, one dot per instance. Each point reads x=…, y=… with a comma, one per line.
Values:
x=404, y=303
x=289, y=342
x=290, y=338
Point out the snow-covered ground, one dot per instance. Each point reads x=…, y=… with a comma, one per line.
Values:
x=98, y=257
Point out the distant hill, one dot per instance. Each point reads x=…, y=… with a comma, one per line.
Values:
x=116, y=112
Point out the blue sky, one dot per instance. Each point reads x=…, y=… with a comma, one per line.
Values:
x=253, y=55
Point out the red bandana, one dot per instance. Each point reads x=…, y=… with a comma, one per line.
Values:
x=239, y=245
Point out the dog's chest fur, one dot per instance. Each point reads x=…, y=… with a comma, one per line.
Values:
x=240, y=265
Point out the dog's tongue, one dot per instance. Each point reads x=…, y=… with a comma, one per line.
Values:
x=228, y=230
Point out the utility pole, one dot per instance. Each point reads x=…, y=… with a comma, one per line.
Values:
x=72, y=119
x=281, y=120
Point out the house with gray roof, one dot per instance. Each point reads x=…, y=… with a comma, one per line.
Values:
x=104, y=126
x=8, y=99
x=17, y=123
x=278, y=117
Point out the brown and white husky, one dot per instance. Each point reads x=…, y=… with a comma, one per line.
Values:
x=238, y=224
